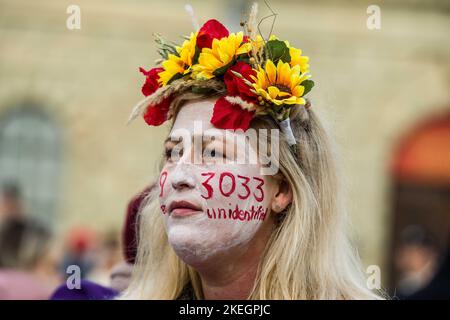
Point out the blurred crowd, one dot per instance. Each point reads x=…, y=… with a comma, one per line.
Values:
x=35, y=263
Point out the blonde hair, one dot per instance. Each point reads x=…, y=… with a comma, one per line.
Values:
x=308, y=256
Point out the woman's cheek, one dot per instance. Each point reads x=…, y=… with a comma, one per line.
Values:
x=235, y=195
x=236, y=192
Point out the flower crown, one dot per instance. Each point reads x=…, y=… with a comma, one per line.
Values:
x=259, y=77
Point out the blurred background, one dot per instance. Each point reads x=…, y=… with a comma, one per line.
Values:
x=69, y=165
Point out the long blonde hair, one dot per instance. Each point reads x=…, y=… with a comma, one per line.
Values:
x=308, y=256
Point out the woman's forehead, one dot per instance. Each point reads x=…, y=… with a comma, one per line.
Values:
x=193, y=119
x=194, y=114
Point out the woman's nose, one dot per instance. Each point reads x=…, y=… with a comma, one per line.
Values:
x=182, y=180
x=180, y=185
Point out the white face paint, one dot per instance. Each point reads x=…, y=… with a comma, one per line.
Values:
x=229, y=202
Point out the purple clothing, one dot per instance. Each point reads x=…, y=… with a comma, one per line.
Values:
x=88, y=291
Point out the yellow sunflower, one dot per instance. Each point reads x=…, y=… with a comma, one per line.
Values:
x=280, y=84
x=298, y=59
x=181, y=64
x=221, y=54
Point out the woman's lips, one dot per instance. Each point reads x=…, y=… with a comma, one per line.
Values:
x=183, y=212
x=183, y=209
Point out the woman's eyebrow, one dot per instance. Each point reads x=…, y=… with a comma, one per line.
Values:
x=208, y=140
x=173, y=140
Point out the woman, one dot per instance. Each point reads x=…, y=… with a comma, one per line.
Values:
x=218, y=228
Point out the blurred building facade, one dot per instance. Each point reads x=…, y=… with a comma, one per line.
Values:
x=65, y=96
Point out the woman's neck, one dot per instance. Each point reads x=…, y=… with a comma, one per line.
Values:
x=233, y=283
x=233, y=275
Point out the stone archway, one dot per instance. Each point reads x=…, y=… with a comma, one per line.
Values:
x=420, y=171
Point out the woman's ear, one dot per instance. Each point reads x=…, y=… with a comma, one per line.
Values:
x=282, y=198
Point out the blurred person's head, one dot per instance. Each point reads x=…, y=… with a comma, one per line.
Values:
x=15, y=229
x=42, y=255
x=120, y=276
x=416, y=259
x=110, y=246
x=32, y=273
x=131, y=224
x=80, y=240
x=106, y=254
x=36, y=246
x=10, y=201
x=28, y=247
x=121, y=272
x=417, y=249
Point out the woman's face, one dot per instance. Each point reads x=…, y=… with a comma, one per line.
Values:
x=211, y=208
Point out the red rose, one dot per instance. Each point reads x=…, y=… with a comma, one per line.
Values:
x=155, y=115
x=212, y=29
x=236, y=86
x=227, y=115
x=151, y=80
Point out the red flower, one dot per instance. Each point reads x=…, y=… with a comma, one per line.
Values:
x=151, y=80
x=154, y=115
x=227, y=115
x=212, y=29
x=236, y=86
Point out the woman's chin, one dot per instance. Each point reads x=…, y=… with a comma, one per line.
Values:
x=194, y=250
x=204, y=243
x=195, y=256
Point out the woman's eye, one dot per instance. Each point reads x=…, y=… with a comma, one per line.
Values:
x=214, y=153
x=173, y=154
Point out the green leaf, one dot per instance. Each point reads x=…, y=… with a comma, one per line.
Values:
x=196, y=55
x=201, y=90
x=165, y=48
x=276, y=50
x=170, y=48
x=221, y=71
x=244, y=58
x=308, y=84
x=162, y=54
x=175, y=77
